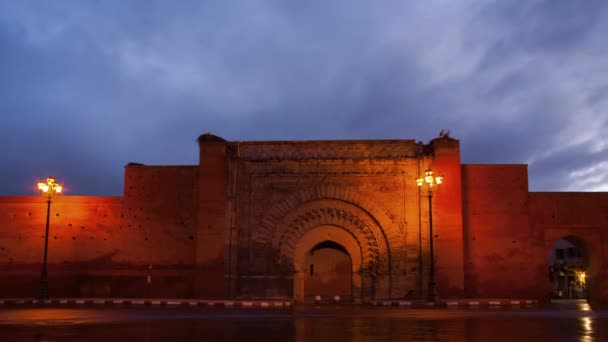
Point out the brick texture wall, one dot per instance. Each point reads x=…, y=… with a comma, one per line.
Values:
x=239, y=223
x=504, y=257
x=580, y=217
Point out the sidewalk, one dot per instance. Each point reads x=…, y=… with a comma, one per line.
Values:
x=260, y=304
x=264, y=304
x=457, y=303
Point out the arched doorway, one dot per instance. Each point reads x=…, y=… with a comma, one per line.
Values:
x=328, y=273
x=336, y=258
x=571, y=268
x=377, y=252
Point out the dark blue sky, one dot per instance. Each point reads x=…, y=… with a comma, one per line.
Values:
x=88, y=86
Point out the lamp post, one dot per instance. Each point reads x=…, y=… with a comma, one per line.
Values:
x=49, y=188
x=430, y=182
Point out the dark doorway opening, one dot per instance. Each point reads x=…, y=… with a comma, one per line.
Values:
x=568, y=266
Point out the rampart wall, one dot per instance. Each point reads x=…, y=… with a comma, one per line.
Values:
x=582, y=218
x=234, y=226
x=504, y=257
x=333, y=179
x=103, y=246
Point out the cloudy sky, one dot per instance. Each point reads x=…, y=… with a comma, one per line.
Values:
x=88, y=86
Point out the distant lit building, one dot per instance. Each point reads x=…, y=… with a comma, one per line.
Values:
x=567, y=270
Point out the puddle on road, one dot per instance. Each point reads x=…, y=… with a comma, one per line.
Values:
x=309, y=324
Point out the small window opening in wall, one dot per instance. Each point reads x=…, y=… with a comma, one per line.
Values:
x=312, y=269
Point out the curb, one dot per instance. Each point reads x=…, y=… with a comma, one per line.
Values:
x=257, y=304
x=152, y=303
x=472, y=303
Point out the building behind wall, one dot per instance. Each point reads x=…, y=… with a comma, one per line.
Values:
x=243, y=223
x=568, y=270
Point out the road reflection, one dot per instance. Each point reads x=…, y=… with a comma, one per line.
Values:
x=333, y=324
x=586, y=333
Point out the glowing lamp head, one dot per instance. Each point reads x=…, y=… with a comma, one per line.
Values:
x=429, y=179
x=43, y=187
x=50, y=187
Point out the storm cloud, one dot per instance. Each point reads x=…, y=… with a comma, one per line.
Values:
x=88, y=86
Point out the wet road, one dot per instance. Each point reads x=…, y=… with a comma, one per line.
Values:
x=327, y=323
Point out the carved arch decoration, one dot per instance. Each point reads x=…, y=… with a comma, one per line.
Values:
x=330, y=191
x=346, y=202
x=375, y=251
x=320, y=234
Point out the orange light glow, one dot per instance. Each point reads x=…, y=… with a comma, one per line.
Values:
x=50, y=188
x=429, y=179
x=581, y=277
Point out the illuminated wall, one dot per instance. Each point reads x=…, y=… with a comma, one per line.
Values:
x=240, y=223
x=503, y=257
x=102, y=246
x=582, y=218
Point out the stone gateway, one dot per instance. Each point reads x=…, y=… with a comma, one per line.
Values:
x=299, y=219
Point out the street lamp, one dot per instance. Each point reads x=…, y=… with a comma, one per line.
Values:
x=49, y=189
x=431, y=182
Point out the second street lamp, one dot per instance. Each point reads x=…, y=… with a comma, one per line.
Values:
x=431, y=182
x=49, y=188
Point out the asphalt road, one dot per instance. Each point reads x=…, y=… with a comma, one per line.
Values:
x=309, y=323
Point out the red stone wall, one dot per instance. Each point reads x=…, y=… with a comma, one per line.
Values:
x=578, y=215
x=447, y=219
x=82, y=237
x=102, y=246
x=212, y=212
x=277, y=179
x=160, y=203
x=160, y=207
x=230, y=226
x=504, y=257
